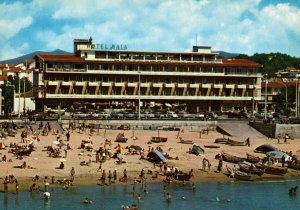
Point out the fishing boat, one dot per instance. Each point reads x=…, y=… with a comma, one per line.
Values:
x=293, y=165
x=186, y=141
x=251, y=169
x=121, y=138
x=231, y=158
x=158, y=139
x=272, y=169
x=233, y=142
x=244, y=176
x=252, y=159
x=221, y=140
x=212, y=146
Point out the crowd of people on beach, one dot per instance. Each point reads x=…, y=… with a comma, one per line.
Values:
x=105, y=153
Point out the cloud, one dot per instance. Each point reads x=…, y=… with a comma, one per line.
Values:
x=13, y=19
x=246, y=26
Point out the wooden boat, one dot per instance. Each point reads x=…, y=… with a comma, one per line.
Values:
x=211, y=146
x=252, y=159
x=221, y=140
x=186, y=141
x=157, y=139
x=236, y=143
x=231, y=158
x=244, y=176
x=272, y=169
x=293, y=165
x=121, y=138
x=251, y=169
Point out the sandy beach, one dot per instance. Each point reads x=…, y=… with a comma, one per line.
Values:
x=43, y=165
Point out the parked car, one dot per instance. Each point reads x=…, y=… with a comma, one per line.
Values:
x=81, y=115
x=200, y=116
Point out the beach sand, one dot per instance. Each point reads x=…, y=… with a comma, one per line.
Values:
x=46, y=166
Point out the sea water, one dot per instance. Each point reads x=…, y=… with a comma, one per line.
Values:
x=271, y=195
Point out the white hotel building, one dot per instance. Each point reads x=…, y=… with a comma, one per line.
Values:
x=116, y=77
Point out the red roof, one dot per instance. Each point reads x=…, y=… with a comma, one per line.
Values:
x=3, y=77
x=279, y=84
x=75, y=59
x=59, y=58
x=14, y=69
x=240, y=62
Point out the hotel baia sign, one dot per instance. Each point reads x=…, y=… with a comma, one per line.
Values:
x=109, y=47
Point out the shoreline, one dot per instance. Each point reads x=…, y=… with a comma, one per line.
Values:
x=44, y=165
x=93, y=180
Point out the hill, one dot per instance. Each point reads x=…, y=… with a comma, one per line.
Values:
x=30, y=56
x=273, y=62
x=226, y=55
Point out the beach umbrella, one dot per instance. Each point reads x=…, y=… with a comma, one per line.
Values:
x=137, y=148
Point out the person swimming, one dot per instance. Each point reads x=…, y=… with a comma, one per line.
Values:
x=87, y=201
x=46, y=195
x=169, y=197
x=293, y=190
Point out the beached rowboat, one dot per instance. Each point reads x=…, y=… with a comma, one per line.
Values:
x=231, y=158
x=221, y=140
x=157, y=139
x=272, y=169
x=244, y=176
x=252, y=159
x=293, y=165
x=251, y=169
x=236, y=143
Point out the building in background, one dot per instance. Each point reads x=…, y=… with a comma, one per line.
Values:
x=101, y=76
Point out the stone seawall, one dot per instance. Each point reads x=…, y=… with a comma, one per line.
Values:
x=144, y=124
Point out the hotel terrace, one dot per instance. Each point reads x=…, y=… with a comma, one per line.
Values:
x=107, y=77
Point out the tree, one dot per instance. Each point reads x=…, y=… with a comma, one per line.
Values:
x=8, y=95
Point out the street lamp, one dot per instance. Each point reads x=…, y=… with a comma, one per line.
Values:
x=266, y=97
x=297, y=96
x=139, y=95
x=14, y=89
x=0, y=101
x=285, y=95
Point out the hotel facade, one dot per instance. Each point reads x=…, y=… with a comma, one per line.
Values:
x=112, y=76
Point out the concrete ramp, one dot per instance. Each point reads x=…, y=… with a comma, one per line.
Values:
x=239, y=130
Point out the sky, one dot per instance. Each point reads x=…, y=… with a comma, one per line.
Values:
x=236, y=26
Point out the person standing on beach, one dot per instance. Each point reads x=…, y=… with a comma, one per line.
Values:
x=66, y=153
x=248, y=142
x=100, y=167
x=220, y=165
x=283, y=161
x=17, y=186
x=72, y=172
x=204, y=162
x=109, y=177
x=115, y=175
x=103, y=177
x=5, y=184
x=286, y=136
x=46, y=182
x=68, y=136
